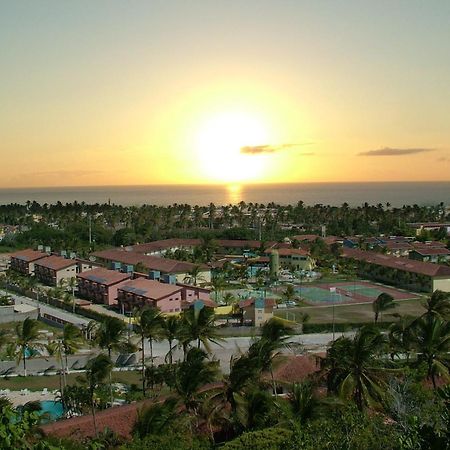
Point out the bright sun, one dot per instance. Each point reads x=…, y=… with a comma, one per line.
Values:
x=219, y=144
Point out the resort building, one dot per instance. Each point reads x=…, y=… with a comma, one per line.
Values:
x=434, y=255
x=402, y=272
x=52, y=270
x=141, y=292
x=158, y=266
x=294, y=258
x=256, y=312
x=23, y=261
x=100, y=285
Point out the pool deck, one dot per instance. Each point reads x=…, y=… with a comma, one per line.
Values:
x=18, y=398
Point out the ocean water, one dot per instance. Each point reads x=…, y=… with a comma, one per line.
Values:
x=396, y=193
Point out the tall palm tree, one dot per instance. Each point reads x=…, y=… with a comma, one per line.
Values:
x=353, y=367
x=439, y=303
x=27, y=334
x=198, y=325
x=431, y=338
x=110, y=335
x=171, y=329
x=149, y=323
x=400, y=337
x=191, y=375
x=382, y=303
x=98, y=369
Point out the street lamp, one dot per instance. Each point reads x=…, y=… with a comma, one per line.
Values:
x=333, y=292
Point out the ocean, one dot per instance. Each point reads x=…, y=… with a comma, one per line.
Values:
x=396, y=193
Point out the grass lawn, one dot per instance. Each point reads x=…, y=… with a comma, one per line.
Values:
x=34, y=383
x=351, y=313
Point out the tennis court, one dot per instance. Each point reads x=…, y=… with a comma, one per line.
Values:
x=348, y=292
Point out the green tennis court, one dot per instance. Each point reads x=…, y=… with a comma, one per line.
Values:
x=362, y=290
x=314, y=294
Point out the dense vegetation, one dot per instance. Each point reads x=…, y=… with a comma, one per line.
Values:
x=371, y=391
x=66, y=226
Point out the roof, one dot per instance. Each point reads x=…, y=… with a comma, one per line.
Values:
x=120, y=419
x=306, y=237
x=151, y=289
x=290, y=251
x=164, y=244
x=431, y=251
x=104, y=276
x=164, y=265
x=56, y=262
x=405, y=264
x=293, y=369
x=28, y=255
x=250, y=301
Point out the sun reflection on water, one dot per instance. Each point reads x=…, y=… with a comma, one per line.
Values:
x=234, y=192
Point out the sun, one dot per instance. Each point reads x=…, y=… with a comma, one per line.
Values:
x=219, y=142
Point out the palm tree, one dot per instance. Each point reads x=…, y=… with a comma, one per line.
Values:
x=150, y=325
x=289, y=294
x=400, y=337
x=198, y=325
x=194, y=276
x=439, y=303
x=431, y=338
x=72, y=284
x=98, y=369
x=352, y=367
x=171, y=329
x=302, y=401
x=157, y=418
x=229, y=298
x=110, y=335
x=382, y=303
x=191, y=375
x=27, y=334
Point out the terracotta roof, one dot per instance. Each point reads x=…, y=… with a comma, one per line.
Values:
x=151, y=289
x=55, y=262
x=405, y=264
x=164, y=265
x=250, y=301
x=294, y=369
x=431, y=251
x=290, y=251
x=104, y=276
x=396, y=245
x=306, y=237
x=28, y=255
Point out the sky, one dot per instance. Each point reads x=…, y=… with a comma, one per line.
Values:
x=176, y=92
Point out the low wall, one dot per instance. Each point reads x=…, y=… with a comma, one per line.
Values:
x=7, y=314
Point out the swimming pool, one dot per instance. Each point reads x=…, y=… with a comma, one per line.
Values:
x=53, y=408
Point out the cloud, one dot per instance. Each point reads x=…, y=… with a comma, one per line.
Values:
x=387, y=151
x=260, y=149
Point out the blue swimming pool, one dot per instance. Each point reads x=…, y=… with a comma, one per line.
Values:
x=52, y=408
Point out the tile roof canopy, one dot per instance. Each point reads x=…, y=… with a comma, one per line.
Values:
x=151, y=289
x=293, y=369
x=164, y=265
x=424, y=251
x=28, y=255
x=104, y=276
x=290, y=251
x=250, y=301
x=56, y=262
x=405, y=264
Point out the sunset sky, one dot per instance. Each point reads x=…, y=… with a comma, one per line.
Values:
x=192, y=92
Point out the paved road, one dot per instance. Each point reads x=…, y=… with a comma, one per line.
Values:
x=223, y=353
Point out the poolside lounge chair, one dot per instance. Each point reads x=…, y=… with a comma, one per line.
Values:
x=44, y=391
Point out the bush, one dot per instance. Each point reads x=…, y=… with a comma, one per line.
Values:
x=268, y=439
x=172, y=441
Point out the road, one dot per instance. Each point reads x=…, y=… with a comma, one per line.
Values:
x=223, y=352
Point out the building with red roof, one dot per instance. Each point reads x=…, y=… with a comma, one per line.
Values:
x=23, y=261
x=53, y=269
x=294, y=258
x=100, y=285
x=403, y=272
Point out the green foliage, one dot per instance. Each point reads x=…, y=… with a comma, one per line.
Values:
x=169, y=441
x=268, y=439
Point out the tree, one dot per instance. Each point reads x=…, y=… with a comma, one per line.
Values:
x=27, y=334
x=194, y=276
x=171, y=329
x=198, y=325
x=353, y=370
x=431, y=338
x=289, y=294
x=110, y=335
x=439, y=304
x=150, y=325
x=98, y=369
x=382, y=303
